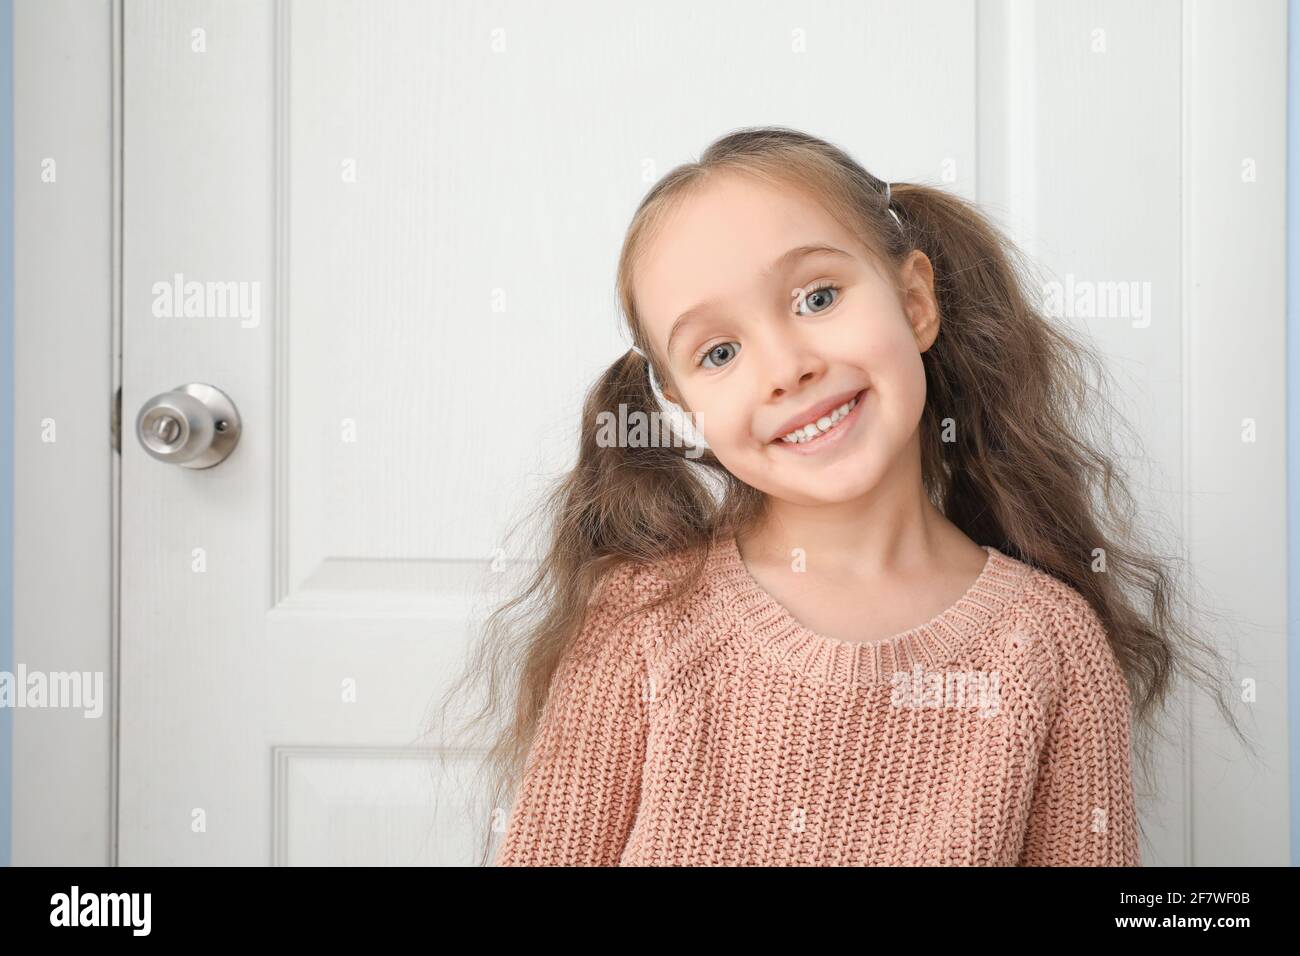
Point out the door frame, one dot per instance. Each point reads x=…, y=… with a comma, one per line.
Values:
x=62, y=811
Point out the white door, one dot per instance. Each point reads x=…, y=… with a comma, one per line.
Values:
x=407, y=216
x=393, y=227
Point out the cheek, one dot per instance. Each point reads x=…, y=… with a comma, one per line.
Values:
x=902, y=382
x=895, y=370
x=722, y=425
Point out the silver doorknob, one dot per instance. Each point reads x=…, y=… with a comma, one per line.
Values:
x=194, y=426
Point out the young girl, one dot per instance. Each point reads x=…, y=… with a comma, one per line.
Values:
x=881, y=619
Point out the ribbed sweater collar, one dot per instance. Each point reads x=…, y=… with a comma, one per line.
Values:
x=773, y=631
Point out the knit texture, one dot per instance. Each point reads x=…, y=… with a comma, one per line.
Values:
x=718, y=731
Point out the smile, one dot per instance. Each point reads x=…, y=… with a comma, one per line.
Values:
x=824, y=431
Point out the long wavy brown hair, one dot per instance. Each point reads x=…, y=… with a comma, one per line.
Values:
x=1033, y=473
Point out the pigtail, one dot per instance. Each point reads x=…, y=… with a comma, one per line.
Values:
x=995, y=366
x=646, y=503
x=630, y=500
x=1017, y=438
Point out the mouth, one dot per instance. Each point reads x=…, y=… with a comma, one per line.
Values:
x=825, y=431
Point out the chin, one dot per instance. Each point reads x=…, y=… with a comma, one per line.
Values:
x=825, y=492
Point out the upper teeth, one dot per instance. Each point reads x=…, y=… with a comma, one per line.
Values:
x=823, y=424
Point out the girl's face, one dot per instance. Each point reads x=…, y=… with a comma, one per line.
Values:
x=766, y=327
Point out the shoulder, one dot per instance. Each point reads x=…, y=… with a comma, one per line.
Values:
x=1055, y=600
x=633, y=585
x=1069, y=619
x=689, y=572
x=668, y=602
x=1043, y=607
x=1076, y=637
x=632, y=605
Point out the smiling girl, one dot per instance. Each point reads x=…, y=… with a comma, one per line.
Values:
x=883, y=619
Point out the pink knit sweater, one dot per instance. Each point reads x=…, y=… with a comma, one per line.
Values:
x=717, y=730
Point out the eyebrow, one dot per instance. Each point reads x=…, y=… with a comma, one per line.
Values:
x=785, y=260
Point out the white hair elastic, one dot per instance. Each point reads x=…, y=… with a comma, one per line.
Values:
x=654, y=382
x=890, y=208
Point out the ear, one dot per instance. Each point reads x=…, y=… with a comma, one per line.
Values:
x=919, y=301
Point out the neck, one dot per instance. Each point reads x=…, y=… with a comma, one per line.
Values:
x=893, y=525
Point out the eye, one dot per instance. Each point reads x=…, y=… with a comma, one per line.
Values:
x=713, y=350
x=820, y=297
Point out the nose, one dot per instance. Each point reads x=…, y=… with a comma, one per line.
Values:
x=791, y=366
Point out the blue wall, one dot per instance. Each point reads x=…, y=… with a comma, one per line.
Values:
x=6, y=413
